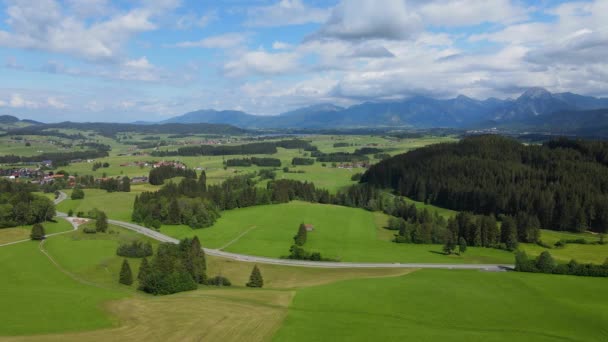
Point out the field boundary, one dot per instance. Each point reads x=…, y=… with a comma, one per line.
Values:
x=237, y=238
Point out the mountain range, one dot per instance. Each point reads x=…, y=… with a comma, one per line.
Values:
x=415, y=112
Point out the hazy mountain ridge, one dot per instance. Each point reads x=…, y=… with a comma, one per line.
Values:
x=415, y=112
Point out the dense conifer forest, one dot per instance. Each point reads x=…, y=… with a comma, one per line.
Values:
x=561, y=184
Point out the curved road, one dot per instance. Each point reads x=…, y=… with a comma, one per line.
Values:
x=287, y=262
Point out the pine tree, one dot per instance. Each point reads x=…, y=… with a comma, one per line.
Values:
x=126, y=277
x=255, y=279
x=174, y=216
x=300, y=238
x=144, y=269
x=126, y=184
x=202, y=182
x=101, y=225
x=462, y=245
x=37, y=232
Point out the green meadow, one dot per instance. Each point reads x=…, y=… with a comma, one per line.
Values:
x=346, y=234
x=38, y=298
x=23, y=232
x=440, y=305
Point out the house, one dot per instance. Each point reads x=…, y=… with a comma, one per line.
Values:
x=309, y=227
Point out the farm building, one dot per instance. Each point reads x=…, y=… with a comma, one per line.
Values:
x=309, y=227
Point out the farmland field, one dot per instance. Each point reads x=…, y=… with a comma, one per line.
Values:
x=438, y=305
x=347, y=234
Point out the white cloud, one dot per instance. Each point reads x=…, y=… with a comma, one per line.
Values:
x=191, y=20
x=470, y=12
x=365, y=19
x=223, y=41
x=55, y=103
x=18, y=101
x=281, y=45
x=284, y=13
x=47, y=25
x=262, y=63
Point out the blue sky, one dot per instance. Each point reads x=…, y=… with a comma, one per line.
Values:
x=128, y=60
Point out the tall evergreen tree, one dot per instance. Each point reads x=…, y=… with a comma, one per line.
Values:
x=144, y=269
x=126, y=277
x=37, y=232
x=174, y=216
x=462, y=245
x=101, y=224
x=202, y=182
x=508, y=233
x=301, y=236
x=126, y=184
x=255, y=279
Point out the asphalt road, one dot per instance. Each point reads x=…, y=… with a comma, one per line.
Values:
x=301, y=263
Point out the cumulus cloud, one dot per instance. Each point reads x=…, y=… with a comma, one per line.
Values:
x=366, y=19
x=284, y=13
x=18, y=101
x=47, y=25
x=222, y=41
x=191, y=20
x=261, y=63
x=56, y=103
x=470, y=12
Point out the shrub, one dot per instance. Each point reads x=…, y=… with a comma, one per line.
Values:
x=77, y=193
x=89, y=230
x=37, y=232
x=135, y=249
x=219, y=281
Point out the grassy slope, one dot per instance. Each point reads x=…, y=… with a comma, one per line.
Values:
x=345, y=233
x=439, y=305
x=38, y=298
x=589, y=253
x=234, y=314
x=23, y=232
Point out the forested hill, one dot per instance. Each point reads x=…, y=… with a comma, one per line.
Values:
x=562, y=184
x=111, y=129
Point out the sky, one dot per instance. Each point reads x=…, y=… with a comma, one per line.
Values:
x=129, y=60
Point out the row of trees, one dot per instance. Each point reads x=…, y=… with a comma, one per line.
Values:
x=267, y=162
x=302, y=161
x=177, y=268
x=58, y=158
x=158, y=175
x=561, y=185
x=545, y=263
x=135, y=249
x=19, y=206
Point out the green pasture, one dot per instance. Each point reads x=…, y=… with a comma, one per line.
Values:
x=443, y=305
x=347, y=234
x=38, y=298
x=23, y=232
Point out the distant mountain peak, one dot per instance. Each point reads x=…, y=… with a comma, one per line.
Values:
x=535, y=93
x=8, y=119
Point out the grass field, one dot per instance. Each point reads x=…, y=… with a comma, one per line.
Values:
x=589, y=253
x=439, y=305
x=117, y=205
x=347, y=234
x=23, y=232
x=37, y=298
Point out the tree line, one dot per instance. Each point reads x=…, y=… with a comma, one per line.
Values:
x=58, y=158
x=559, y=185
x=268, y=162
x=545, y=263
x=20, y=206
x=244, y=149
x=158, y=175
